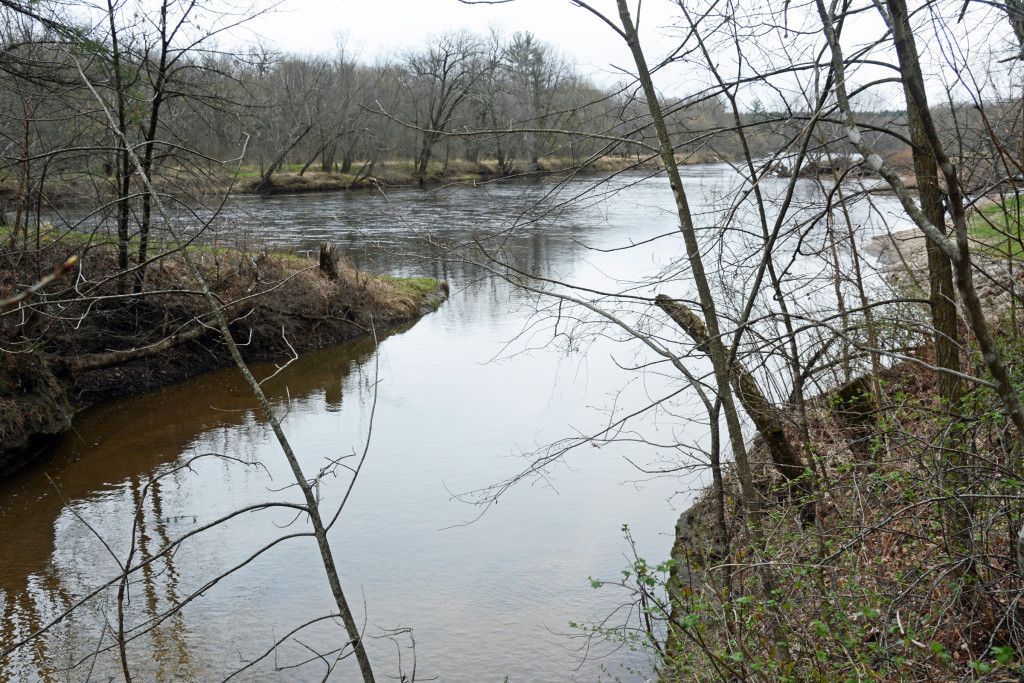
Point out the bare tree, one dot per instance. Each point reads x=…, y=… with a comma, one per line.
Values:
x=444, y=75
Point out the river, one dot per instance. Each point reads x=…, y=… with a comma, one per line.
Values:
x=462, y=397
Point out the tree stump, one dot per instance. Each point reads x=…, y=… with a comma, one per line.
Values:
x=854, y=408
x=329, y=260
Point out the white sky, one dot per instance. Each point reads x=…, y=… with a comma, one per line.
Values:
x=382, y=27
x=388, y=27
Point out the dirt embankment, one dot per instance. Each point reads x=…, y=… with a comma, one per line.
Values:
x=882, y=573
x=395, y=174
x=911, y=569
x=91, y=337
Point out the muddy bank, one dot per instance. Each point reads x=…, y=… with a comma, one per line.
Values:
x=402, y=174
x=91, y=337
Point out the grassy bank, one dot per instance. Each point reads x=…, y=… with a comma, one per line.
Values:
x=83, y=186
x=403, y=173
x=996, y=228
x=96, y=334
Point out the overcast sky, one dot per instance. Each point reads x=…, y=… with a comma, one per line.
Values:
x=382, y=27
x=373, y=28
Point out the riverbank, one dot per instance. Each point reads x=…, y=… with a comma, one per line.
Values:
x=75, y=188
x=403, y=174
x=881, y=586
x=911, y=569
x=91, y=337
x=902, y=258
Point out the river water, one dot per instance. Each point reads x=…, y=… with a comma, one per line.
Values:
x=460, y=401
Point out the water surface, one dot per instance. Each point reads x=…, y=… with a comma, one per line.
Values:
x=459, y=401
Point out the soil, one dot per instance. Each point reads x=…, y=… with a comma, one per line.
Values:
x=89, y=338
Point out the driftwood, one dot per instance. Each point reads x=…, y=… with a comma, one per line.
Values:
x=97, y=361
x=767, y=418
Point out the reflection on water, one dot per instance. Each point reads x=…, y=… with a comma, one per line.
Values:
x=92, y=483
x=456, y=404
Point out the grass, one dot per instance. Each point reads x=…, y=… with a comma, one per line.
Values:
x=412, y=287
x=71, y=241
x=409, y=286
x=990, y=227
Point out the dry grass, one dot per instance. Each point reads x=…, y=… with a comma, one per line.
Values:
x=84, y=335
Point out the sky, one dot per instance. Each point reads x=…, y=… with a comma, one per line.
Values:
x=387, y=27
x=373, y=28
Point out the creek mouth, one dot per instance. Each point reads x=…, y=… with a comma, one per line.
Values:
x=99, y=342
x=464, y=397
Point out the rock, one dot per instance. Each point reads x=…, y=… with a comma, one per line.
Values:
x=697, y=547
x=896, y=247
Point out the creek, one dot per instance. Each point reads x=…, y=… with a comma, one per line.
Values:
x=457, y=401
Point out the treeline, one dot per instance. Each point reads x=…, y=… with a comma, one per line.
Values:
x=188, y=106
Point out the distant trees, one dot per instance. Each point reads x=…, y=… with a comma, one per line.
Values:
x=444, y=76
x=537, y=77
x=178, y=94
x=290, y=101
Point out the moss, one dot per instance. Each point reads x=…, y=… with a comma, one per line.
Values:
x=409, y=286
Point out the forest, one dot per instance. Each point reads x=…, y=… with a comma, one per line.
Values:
x=817, y=332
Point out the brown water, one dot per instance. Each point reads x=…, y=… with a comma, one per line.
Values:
x=461, y=395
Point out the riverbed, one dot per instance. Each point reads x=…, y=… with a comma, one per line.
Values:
x=446, y=409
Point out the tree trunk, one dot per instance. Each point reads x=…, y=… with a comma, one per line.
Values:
x=958, y=511
x=149, y=152
x=767, y=418
x=124, y=170
x=320, y=529
x=264, y=184
x=23, y=180
x=940, y=269
x=424, y=159
x=329, y=260
x=716, y=350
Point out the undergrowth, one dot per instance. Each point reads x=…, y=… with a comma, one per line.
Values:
x=909, y=573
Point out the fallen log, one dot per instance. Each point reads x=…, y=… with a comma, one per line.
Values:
x=767, y=418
